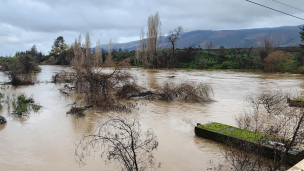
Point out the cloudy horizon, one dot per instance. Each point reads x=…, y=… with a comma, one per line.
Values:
x=24, y=23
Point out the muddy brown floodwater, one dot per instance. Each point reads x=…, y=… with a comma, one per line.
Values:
x=45, y=141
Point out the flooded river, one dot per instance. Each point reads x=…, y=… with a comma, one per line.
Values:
x=46, y=140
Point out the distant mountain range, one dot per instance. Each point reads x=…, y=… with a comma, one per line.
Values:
x=281, y=36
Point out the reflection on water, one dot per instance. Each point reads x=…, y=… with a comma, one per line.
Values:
x=45, y=141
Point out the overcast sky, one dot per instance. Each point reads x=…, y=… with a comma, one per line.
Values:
x=24, y=23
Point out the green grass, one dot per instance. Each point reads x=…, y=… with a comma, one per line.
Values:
x=299, y=99
x=233, y=131
x=214, y=127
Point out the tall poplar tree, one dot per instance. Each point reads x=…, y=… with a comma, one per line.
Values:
x=302, y=37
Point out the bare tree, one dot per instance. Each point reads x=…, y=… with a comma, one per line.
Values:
x=264, y=51
x=169, y=91
x=98, y=86
x=142, y=58
x=137, y=56
x=98, y=54
x=187, y=91
x=210, y=45
x=268, y=44
x=120, y=140
x=105, y=88
x=147, y=53
x=109, y=61
x=153, y=40
x=172, y=38
x=276, y=125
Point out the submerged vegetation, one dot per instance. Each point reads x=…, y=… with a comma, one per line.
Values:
x=186, y=91
x=99, y=86
x=19, y=105
x=2, y=95
x=20, y=70
x=107, y=88
x=78, y=111
x=22, y=104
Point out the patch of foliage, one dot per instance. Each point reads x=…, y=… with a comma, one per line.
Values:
x=22, y=104
x=122, y=55
x=299, y=99
x=1, y=99
x=279, y=62
x=5, y=59
x=234, y=58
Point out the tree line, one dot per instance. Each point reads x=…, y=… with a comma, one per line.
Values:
x=150, y=54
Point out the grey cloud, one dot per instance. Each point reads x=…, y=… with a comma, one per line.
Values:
x=27, y=22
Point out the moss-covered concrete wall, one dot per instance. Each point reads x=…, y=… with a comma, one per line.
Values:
x=223, y=133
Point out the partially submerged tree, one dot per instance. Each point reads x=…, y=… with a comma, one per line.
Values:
x=104, y=88
x=169, y=91
x=186, y=91
x=120, y=140
x=19, y=70
x=99, y=86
